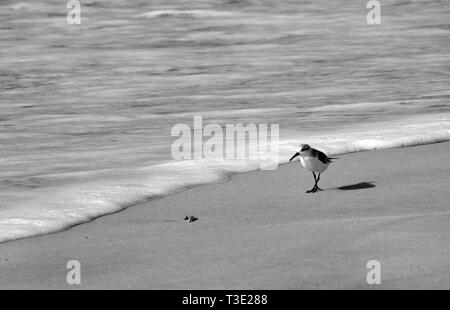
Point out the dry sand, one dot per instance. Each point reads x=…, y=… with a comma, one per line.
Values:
x=262, y=231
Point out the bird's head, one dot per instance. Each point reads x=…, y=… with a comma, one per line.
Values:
x=304, y=149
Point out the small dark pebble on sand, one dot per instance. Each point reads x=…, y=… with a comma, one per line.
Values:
x=190, y=219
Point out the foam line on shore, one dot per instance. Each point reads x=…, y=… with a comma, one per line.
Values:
x=56, y=208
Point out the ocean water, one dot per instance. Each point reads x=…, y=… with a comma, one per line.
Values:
x=86, y=111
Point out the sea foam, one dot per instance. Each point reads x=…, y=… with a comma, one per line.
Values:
x=59, y=207
x=185, y=13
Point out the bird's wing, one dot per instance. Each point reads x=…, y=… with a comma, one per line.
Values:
x=322, y=157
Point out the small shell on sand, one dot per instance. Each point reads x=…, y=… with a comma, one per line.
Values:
x=190, y=219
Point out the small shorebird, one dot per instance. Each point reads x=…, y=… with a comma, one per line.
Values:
x=313, y=160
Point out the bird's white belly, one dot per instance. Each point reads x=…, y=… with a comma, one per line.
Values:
x=313, y=164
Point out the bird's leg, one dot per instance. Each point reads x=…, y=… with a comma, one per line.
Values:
x=317, y=186
x=314, y=189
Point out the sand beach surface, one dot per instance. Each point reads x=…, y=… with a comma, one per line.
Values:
x=260, y=230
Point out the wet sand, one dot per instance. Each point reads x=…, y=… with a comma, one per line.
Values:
x=260, y=230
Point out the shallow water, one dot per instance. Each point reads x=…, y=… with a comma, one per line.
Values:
x=87, y=110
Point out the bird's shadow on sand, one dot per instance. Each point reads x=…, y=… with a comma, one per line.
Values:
x=360, y=185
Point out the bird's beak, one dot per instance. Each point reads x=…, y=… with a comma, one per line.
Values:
x=295, y=155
